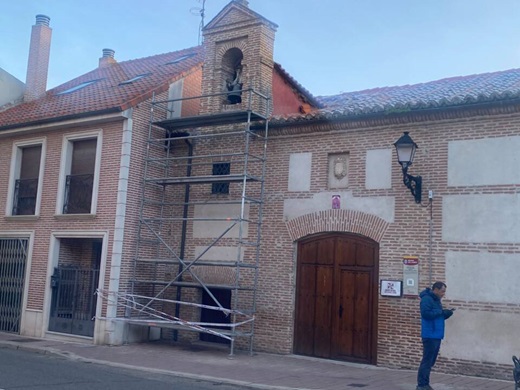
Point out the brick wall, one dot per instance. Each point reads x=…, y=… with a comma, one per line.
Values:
x=48, y=222
x=38, y=66
x=254, y=38
x=399, y=321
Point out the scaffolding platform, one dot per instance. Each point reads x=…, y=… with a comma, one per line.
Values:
x=219, y=119
x=163, y=181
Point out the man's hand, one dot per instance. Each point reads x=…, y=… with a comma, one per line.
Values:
x=447, y=313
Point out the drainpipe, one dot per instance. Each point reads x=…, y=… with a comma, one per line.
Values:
x=183, y=233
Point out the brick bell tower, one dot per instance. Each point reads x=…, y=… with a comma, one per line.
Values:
x=239, y=45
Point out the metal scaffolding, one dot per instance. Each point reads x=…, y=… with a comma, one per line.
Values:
x=197, y=257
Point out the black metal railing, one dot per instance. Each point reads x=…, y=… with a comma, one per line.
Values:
x=24, y=200
x=78, y=194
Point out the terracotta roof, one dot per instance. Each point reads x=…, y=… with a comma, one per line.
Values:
x=449, y=92
x=105, y=94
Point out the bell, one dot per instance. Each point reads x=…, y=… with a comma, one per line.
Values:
x=235, y=94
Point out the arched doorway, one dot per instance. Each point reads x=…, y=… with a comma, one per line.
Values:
x=336, y=297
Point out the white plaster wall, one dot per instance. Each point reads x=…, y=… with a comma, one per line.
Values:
x=483, y=276
x=490, y=218
x=300, y=165
x=117, y=332
x=482, y=336
x=213, y=229
x=378, y=173
x=218, y=253
x=32, y=323
x=11, y=89
x=382, y=206
x=490, y=161
x=175, y=92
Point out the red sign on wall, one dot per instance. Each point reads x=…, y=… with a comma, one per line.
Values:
x=411, y=275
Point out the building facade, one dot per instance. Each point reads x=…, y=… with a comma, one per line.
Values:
x=224, y=200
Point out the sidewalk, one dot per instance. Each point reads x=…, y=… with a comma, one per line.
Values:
x=261, y=371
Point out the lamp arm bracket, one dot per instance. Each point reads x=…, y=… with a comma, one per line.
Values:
x=414, y=184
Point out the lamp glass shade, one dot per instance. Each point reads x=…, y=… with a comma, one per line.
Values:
x=405, y=148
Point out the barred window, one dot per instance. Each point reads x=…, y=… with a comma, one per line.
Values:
x=218, y=170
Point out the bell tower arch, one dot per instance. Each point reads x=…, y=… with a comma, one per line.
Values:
x=238, y=46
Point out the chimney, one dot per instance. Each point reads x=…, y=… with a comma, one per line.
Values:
x=243, y=2
x=107, y=59
x=38, y=64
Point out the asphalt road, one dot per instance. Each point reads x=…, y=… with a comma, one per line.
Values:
x=23, y=370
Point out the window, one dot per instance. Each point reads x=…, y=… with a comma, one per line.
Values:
x=176, y=61
x=79, y=174
x=220, y=169
x=138, y=77
x=26, y=171
x=77, y=87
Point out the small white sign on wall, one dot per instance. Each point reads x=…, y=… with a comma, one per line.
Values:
x=391, y=288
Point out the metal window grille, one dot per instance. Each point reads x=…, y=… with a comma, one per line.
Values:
x=218, y=170
x=13, y=257
x=78, y=194
x=24, y=200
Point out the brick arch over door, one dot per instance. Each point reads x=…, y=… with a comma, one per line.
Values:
x=348, y=221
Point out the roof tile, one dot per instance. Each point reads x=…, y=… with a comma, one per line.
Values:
x=105, y=94
x=454, y=91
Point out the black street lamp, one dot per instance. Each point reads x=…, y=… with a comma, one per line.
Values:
x=405, y=148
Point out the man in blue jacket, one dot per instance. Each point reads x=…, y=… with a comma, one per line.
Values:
x=432, y=330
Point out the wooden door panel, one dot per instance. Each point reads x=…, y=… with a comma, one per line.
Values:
x=336, y=307
x=305, y=310
x=362, y=319
x=345, y=252
x=307, y=253
x=365, y=255
x=326, y=254
x=345, y=329
x=323, y=311
x=354, y=327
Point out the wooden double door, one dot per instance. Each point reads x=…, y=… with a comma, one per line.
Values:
x=336, y=298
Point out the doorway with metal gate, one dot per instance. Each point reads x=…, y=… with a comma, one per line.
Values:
x=13, y=263
x=336, y=297
x=74, y=283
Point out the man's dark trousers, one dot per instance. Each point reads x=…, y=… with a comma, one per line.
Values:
x=430, y=351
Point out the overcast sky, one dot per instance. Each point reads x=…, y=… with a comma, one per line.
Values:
x=329, y=46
